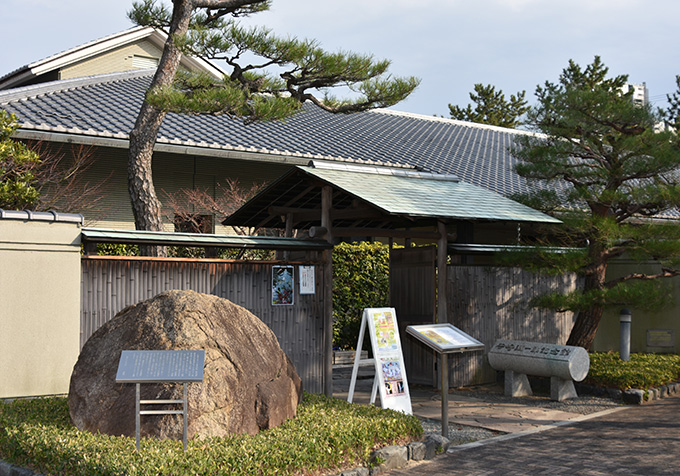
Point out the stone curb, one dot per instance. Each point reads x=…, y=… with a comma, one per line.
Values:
x=633, y=396
x=393, y=457
x=7, y=469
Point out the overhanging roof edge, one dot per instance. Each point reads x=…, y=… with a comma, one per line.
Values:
x=163, y=238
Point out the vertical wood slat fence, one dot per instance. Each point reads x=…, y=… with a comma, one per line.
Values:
x=491, y=303
x=109, y=284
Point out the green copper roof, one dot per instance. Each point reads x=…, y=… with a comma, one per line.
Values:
x=416, y=194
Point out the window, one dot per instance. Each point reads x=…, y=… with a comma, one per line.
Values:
x=193, y=223
x=144, y=62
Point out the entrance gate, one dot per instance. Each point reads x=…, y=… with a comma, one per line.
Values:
x=413, y=284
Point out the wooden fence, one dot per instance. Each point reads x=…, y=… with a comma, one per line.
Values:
x=109, y=284
x=491, y=303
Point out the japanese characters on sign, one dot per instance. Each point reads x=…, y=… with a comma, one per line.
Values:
x=533, y=349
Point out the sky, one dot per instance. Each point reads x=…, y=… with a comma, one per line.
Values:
x=450, y=45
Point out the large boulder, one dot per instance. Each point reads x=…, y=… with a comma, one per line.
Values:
x=249, y=383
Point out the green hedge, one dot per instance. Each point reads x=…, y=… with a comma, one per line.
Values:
x=327, y=435
x=641, y=371
x=360, y=280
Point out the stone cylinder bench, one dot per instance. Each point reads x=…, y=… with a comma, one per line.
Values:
x=564, y=365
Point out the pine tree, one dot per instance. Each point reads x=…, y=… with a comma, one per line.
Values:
x=290, y=71
x=492, y=108
x=604, y=171
x=672, y=114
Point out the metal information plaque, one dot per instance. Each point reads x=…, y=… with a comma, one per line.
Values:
x=156, y=366
x=444, y=338
x=153, y=366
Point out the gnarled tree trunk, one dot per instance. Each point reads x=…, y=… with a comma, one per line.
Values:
x=146, y=207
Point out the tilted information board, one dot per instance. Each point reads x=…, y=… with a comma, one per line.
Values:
x=390, y=372
x=444, y=338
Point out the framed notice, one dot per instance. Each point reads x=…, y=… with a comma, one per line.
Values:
x=307, y=282
x=444, y=338
x=389, y=359
x=283, y=285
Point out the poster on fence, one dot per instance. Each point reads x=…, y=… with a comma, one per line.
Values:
x=389, y=359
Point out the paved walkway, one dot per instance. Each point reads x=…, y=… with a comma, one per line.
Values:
x=463, y=410
x=636, y=440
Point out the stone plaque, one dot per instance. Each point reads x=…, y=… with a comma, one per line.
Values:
x=660, y=338
x=148, y=366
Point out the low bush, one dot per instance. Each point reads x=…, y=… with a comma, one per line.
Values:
x=327, y=435
x=641, y=371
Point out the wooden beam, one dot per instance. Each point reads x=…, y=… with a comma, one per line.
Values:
x=386, y=232
x=306, y=214
x=327, y=223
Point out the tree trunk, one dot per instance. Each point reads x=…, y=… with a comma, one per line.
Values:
x=146, y=207
x=587, y=321
x=585, y=328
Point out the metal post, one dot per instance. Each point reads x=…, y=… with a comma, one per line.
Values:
x=625, y=319
x=444, y=360
x=137, y=417
x=184, y=411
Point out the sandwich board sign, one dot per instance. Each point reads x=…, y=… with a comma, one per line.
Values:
x=388, y=359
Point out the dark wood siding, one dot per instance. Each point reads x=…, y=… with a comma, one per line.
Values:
x=110, y=284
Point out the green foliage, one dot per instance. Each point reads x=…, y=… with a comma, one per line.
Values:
x=117, y=249
x=601, y=167
x=492, y=107
x=18, y=189
x=327, y=435
x=360, y=280
x=279, y=75
x=641, y=371
x=643, y=295
x=672, y=114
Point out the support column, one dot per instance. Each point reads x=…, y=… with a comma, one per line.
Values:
x=442, y=318
x=326, y=222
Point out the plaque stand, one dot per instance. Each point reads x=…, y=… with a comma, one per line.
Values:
x=139, y=412
x=444, y=339
x=160, y=366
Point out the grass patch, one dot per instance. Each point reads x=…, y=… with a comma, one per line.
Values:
x=327, y=435
x=641, y=371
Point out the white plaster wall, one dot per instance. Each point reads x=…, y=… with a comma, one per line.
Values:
x=39, y=306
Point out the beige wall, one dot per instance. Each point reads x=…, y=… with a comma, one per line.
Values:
x=112, y=62
x=171, y=172
x=40, y=306
x=651, y=331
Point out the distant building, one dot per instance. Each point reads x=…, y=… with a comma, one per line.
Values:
x=640, y=93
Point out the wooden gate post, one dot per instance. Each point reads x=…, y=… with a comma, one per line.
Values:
x=327, y=223
x=442, y=318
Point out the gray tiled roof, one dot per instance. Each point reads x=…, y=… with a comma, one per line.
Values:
x=107, y=105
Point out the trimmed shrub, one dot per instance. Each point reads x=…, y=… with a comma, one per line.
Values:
x=641, y=371
x=360, y=280
x=326, y=436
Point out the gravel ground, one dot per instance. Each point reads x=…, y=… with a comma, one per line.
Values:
x=461, y=434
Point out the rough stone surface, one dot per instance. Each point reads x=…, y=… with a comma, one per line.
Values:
x=634, y=396
x=416, y=450
x=390, y=457
x=356, y=472
x=249, y=383
x=435, y=444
